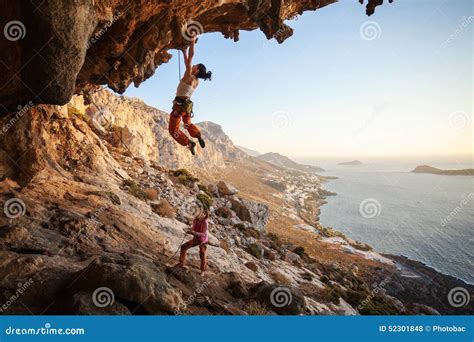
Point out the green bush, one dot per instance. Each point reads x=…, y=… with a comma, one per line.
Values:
x=184, y=176
x=135, y=189
x=204, y=189
x=205, y=200
x=255, y=309
x=255, y=250
x=329, y=232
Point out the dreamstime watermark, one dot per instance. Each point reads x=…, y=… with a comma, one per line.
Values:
x=459, y=297
x=103, y=120
x=378, y=289
x=14, y=208
x=46, y=330
x=281, y=297
x=94, y=219
x=370, y=208
x=459, y=120
x=104, y=29
x=18, y=115
x=460, y=207
x=376, y=111
x=200, y=289
x=465, y=22
x=370, y=30
x=103, y=296
x=281, y=120
x=192, y=29
x=192, y=208
x=14, y=30
x=22, y=287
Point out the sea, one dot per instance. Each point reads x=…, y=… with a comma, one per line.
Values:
x=425, y=217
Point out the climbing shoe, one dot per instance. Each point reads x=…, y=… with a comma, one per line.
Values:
x=202, y=143
x=192, y=146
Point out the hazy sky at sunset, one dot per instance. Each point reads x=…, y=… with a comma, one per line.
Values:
x=331, y=90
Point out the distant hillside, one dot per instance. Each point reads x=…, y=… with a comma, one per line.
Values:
x=250, y=152
x=354, y=162
x=283, y=161
x=435, y=171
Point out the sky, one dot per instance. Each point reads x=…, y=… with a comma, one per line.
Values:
x=398, y=83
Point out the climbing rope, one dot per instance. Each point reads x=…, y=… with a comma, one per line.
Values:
x=179, y=65
x=179, y=247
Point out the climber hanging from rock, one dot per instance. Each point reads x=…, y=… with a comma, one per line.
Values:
x=182, y=104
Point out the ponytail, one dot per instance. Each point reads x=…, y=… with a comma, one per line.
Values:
x=203, y=73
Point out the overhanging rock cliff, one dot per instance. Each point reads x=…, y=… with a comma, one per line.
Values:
x=52, y=49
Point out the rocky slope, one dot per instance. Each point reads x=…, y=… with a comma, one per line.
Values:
x=92, y=228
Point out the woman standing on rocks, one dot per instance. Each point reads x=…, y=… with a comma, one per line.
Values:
x=200, y=239
x=182, y=104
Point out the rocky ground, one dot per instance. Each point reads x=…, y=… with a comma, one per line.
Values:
x=92, y=226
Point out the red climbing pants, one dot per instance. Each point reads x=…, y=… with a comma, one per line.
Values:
x=202, y=252
x=175, y=120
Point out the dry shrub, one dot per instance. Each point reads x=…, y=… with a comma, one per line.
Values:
x=164, y=209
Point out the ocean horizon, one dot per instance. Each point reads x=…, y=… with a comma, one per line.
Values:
x=427, y=218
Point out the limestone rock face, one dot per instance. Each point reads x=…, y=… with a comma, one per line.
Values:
x=130, y=124
x=250, y=211
x=56, y=48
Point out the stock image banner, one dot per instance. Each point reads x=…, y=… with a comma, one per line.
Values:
x=245, y=170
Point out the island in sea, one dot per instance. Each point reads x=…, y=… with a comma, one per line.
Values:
x=435, y=171
x=354, y=162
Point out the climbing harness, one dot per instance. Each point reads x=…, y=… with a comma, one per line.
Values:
x=182, y=104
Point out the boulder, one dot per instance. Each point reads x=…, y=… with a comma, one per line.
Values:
x=237, y=288
x=250, y=211
x=213, y=190
x=226, y=189
x=132, y=279
x=82, y=303
x=284, y=300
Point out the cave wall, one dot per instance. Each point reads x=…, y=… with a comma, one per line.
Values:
x=52, y=49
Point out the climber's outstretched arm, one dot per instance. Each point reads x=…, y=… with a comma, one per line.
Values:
x=188, y=57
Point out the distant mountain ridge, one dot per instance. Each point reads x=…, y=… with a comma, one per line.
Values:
x=249, y=151
x=435, y=171
x=283, y=161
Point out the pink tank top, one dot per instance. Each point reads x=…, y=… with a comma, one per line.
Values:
x=201, y=227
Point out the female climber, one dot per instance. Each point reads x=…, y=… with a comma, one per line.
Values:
x=200, y=239
x=182, y=104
